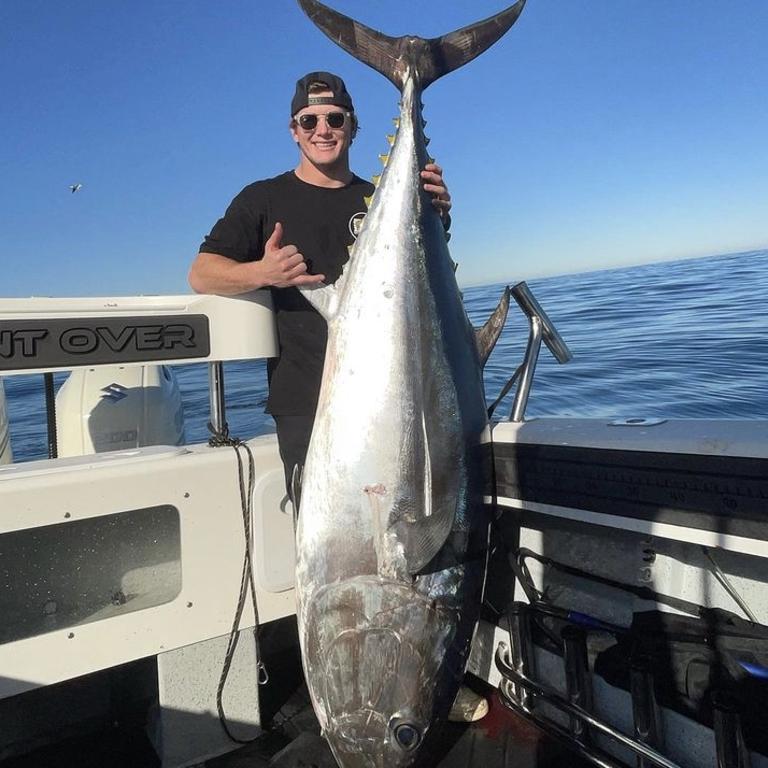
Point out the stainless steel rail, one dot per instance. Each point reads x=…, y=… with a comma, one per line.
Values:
x=557, y=732
x=554, y=698
x=217, y=398
x=541, y=329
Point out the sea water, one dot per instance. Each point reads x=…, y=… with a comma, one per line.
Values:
x=682, y=339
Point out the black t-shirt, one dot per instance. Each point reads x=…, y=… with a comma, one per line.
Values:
x=321, y=222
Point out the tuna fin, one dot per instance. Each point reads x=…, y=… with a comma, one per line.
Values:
x=488, y=335
x=423, y=538
x=324, y=297
x=398, y=57
x=422, y=525
x=296, y=490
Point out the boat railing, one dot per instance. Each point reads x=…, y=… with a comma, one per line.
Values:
x=541, y=328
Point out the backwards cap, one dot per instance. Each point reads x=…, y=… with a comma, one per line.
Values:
x=302, y=97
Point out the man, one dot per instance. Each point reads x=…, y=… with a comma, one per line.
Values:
x=294, y=230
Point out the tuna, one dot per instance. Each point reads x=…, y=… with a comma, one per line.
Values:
x=392, y=531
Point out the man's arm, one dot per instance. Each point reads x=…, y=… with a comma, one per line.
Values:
x=212, y=273
x=282, y=267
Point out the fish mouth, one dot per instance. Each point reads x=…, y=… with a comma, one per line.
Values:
x=357, y=733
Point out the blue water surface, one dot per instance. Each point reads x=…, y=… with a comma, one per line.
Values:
x=683, y=339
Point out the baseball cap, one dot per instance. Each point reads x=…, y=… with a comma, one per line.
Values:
x=302, y=98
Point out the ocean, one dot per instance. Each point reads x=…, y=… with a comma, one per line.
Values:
x=675, y=339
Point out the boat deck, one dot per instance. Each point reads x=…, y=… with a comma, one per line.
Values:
x=502, y=739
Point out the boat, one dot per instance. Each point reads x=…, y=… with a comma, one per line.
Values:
x=625, y=615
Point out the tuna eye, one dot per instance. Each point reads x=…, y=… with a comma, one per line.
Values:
x=407, y=736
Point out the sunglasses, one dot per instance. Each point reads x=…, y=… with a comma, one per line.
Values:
x=332, y=120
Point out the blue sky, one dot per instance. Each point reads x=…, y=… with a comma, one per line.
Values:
x=596, y=133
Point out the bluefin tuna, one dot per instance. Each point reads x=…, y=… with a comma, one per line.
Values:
x=392, y=532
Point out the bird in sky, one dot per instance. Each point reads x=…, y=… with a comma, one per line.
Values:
x=75, y=187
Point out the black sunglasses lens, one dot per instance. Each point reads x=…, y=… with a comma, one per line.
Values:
x=335, y=119
x=308, y=122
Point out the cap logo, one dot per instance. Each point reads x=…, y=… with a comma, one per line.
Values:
x=320, y=100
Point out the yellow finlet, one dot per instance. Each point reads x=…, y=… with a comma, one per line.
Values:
x=368, y=200
x=390, y=139
x=396, y=121
x=376, y=178
x=384, y=159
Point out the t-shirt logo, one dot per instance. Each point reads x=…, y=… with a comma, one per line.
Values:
x=356, y=223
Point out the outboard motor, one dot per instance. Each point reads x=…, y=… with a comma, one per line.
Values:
x=116, y=408
x=6, y=457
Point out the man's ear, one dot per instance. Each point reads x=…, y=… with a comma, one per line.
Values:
x=292, y=129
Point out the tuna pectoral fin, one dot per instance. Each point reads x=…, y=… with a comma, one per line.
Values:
x=423, y=539
x=324, y=298
x=420, y=535
x=488, y=335
x=398, y=57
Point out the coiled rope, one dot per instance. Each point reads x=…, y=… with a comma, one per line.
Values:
x=221, y=438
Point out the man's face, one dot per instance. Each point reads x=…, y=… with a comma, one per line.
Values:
x=323, y=146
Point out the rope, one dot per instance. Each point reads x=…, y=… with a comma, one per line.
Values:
x=492, y=407
x=221, y=439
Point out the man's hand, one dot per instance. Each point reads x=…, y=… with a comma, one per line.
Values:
x=283, y=266
x=432, y=176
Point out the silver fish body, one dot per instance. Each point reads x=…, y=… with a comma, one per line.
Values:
x=392, y=532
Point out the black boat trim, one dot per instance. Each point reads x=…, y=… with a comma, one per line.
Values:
x=723, y=494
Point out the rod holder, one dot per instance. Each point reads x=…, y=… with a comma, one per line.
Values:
x=578, y=682
x=541, y=328
x=731, y=748
x=216, y=395
x=521, y=649
x=645, y=710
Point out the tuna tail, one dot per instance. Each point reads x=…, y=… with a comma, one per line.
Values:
x=398, y=57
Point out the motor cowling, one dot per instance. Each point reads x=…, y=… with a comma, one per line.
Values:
x=116, y=408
